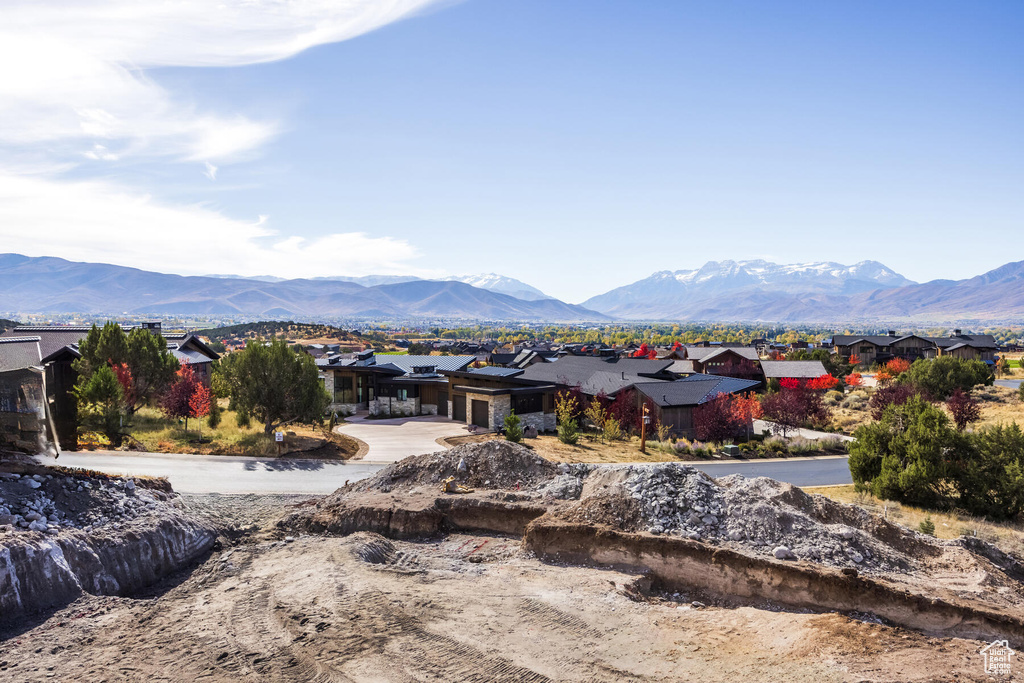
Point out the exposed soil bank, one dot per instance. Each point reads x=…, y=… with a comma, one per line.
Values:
x=743, y=540
x=682, y=564
x=63, y=534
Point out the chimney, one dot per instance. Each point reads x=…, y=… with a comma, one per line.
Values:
x=892, y=333
x=957, y=333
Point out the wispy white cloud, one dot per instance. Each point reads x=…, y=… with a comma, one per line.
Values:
x=76, y=89
x=97, y=221
x=76, y=68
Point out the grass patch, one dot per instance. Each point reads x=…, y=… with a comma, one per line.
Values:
x=149, y=430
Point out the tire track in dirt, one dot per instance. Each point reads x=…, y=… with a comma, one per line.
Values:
x=549, y=616
x=255, y=629
x=416, y=648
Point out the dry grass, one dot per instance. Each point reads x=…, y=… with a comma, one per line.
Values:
x=1008, y=536
x=157, y=434
x=587, y=450
x=999, y=405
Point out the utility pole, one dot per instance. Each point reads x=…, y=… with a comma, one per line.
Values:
x=643, y=429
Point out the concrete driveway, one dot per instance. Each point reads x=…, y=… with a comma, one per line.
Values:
x=392, y=439
x=766, y=427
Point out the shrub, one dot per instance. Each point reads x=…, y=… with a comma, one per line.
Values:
x=941, y=376
x=214, y=417
x=612, y=429
x=1020, y=391
x=242, y=419
x=914, y=455
x=894, y=394
x=963, y=408
x=927, y=526
x=513, y=428
x=595, y=414
x=568, y=432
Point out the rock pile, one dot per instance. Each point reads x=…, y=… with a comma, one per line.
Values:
x=500, y=465
x=760, y=514
x=49, y=503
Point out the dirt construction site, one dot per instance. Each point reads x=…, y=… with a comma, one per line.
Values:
x=488, y=563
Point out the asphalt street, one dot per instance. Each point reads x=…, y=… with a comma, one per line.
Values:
x=232, y=475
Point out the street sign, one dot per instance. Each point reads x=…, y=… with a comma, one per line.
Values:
x=279, y=436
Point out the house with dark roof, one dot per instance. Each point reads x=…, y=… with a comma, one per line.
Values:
x=792, y=369
x=676, y=401
x=485, y=396
x=389, y=385
x=58, y=345
x=883, y=348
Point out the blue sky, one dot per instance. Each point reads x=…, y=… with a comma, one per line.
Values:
x=577, y=146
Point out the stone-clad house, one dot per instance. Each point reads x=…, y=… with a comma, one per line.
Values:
x=389, y=385
x=485, y=396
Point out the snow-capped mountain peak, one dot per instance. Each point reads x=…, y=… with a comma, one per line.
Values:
x=501, y=284
x=726, y=281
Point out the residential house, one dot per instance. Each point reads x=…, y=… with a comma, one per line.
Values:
x=792, y=369
x=485, y=396
x=59, y=349
x=883, y=348
x=389, y=385
x=676, y=401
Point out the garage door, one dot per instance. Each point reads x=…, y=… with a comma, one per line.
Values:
x=480, y=414
x=459, y=408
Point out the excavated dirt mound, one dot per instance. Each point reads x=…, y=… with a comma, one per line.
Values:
x=764, y=538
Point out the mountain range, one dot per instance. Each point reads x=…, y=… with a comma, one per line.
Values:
x=812, y=292
x=53, y=285
x=717, y=291
x=489, y=281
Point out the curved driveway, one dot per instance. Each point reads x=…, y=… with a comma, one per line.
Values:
x=392, y=439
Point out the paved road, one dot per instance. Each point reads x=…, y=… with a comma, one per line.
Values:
x=1008, y=383
x=229, y=474
x=824, y=471
x=393, y=439
x=223, y=473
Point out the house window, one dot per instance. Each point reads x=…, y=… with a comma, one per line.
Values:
x=343, y=391
x=527, y=403
x=867, y=349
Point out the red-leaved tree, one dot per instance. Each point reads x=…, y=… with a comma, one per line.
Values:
x=963, y=408
x=894, y=394
x=824, y=382
x=854, y=379
x=124, y=378
x=645, y=352
x=177, y=400
x=199, y=404
x=715, y=420
x=745, y=409
x=897, y=366
x=794, y=406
